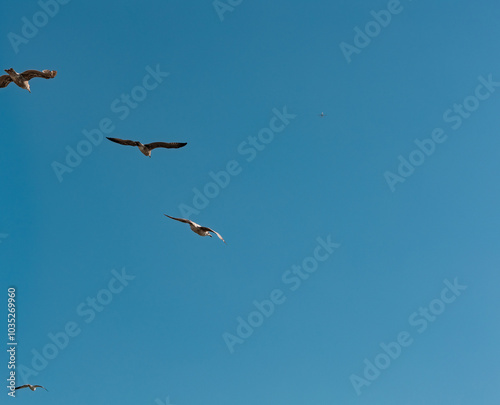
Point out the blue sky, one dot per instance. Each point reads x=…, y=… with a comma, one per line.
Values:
x=400, y=242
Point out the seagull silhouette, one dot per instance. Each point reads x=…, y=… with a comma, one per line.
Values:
x=31, y=387
x=322, y=115
x=146, y=149
x=22, y=79
x=200, y=230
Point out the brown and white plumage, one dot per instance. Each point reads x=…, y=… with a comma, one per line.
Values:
x=31, y=387
x=200, y=230
x=146, y=149
x=22, y=79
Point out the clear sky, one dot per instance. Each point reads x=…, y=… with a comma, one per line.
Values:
x=362, y=259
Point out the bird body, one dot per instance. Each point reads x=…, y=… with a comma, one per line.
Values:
x=196, y=228
x=31, y=387
x=22, y=79
x=146, y=149
x=199, y=229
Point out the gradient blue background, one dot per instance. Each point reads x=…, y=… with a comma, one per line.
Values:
x=162, y=335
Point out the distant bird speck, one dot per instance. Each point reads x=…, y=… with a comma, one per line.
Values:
x=322, y=115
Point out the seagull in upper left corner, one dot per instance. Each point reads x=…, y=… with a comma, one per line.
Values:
x=22, y=79
x=31, y=387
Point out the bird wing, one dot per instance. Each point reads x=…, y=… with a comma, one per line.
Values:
x=204, y=228
x=46, y=74
x=22, y=386
x=39, y=386
x=168, y=145
x=186, y=221
x=5, y=80
x=123, y=141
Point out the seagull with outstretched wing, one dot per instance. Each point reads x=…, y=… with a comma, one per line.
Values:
x=31, y=387
x=146, y=149
x=200, y=230
x=22, y=79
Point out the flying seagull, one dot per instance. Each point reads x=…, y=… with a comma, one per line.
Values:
x=22, y=79
x=31, y=387
x=200, y=230
x=322, y=115
x=146, y=149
